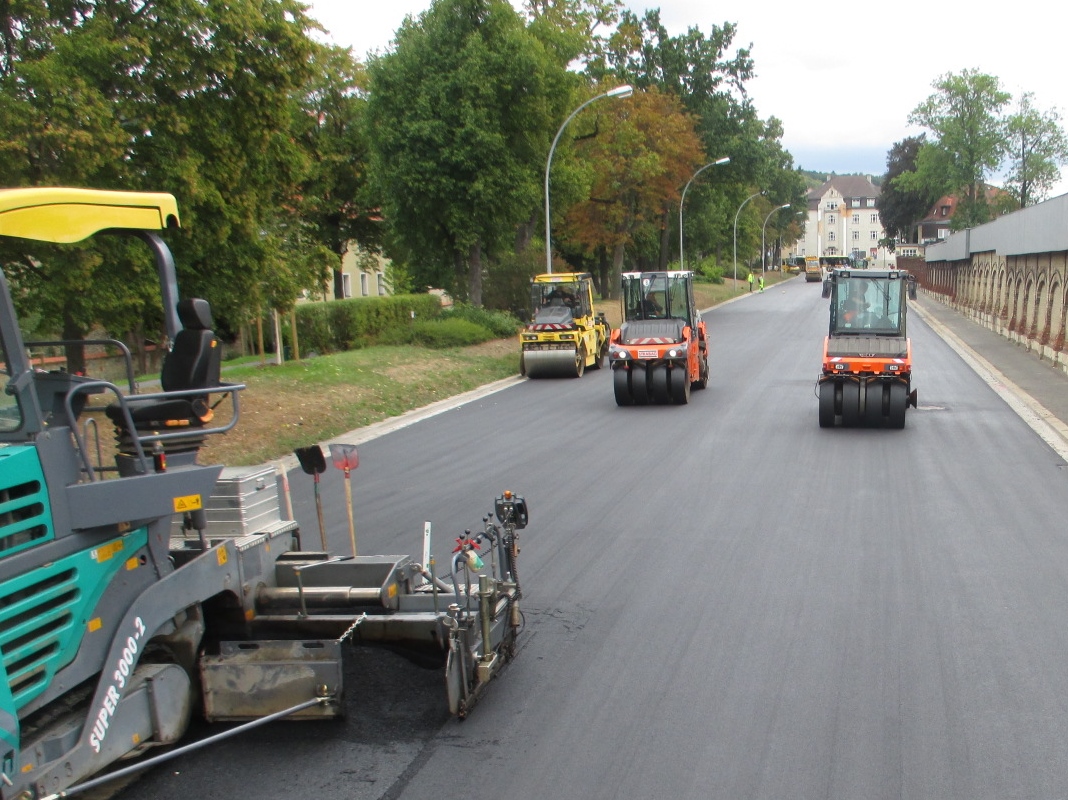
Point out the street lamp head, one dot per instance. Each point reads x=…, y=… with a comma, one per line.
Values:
x=723, y=160
x=782, y=207
x=626, y=90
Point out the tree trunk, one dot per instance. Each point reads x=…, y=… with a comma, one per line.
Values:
x=616, y=277
x=523, y=234
x=474, y=275
x=602, y=280
x=665, y=243
x=72, y=332
x=339, y=284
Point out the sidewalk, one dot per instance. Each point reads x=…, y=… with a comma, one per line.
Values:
x=1034, y=388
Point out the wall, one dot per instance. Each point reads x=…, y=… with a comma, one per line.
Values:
x=1009, y=275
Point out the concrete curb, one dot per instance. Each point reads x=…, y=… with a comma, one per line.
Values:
x=381, y=428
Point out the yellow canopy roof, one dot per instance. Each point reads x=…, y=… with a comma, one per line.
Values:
x=54, y=214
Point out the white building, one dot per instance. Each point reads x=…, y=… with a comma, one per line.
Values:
x=843, y=220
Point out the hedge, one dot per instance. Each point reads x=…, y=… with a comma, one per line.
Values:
x=338, y=325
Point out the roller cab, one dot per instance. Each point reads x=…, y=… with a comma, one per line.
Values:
x=565, y=336
x=660, y=352
x=867, y=356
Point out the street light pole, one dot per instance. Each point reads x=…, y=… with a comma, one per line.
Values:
x=724, y=160
x=750, y=197
x=763, y=247
x=620, y=91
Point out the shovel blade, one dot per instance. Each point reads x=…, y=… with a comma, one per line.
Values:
x=311, y=459
x=344, y=456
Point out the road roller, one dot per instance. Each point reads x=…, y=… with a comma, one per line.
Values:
x=660, y=352
x=565, y=336
x=867, y=357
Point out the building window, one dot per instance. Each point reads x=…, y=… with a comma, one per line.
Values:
x=830, y=219
x=830, y=236
x=871, y=202
x=874, y=236
x=943, y=233
x=856, y=235
x=874, y=219
x=363, y=284
x=855, y=203
x=380, y=279
x=346, y=284
x=945, y=211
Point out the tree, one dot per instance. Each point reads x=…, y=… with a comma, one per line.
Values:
x=191, y=98
x=1037, y=147
x=968, y=139
x=697, y=70
x=639, y=164
x=336, y=199
x=900, y=209
x=460, y=117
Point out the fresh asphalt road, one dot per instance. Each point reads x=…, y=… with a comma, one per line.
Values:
x=722, y=600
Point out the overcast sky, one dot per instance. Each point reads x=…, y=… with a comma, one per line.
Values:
x=842, y=77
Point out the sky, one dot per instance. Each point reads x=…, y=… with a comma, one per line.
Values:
x=842, y=77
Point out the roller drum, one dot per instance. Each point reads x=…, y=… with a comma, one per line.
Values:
x=551, y=363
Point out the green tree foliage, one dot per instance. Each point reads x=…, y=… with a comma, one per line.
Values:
x=460, y=116
x=640, y=161
x=968, y=140
x=708, y=74
x=901, y=209
x=1037, y=147
x=191, y=98
x=336, y=197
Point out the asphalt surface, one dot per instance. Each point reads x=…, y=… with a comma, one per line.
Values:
x=721, y=600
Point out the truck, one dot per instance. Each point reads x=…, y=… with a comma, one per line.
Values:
x=565, y=335
x=866, y=380
x=129, y=602
x=660, y=352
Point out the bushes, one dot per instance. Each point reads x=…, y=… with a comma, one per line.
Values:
x=500, y=324
x=338, y=325
x=707, y=269
x=450, y=332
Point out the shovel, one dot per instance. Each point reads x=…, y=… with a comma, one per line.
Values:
x=313, y=463
x=346, y=458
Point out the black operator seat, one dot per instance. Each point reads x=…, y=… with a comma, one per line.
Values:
x=193, y=362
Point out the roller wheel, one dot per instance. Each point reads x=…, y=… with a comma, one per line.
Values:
x=602, y=354
x=851, y=404
x=639, y=384
x=659, y=377
x=827, y=404
x=680, y=386
x=580, y=361
x=522, y=365
x=875, y=396
x=702, y=380
x=899, y=399
x=621, y=384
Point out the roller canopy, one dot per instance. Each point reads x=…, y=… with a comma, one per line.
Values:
x=52, y=214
